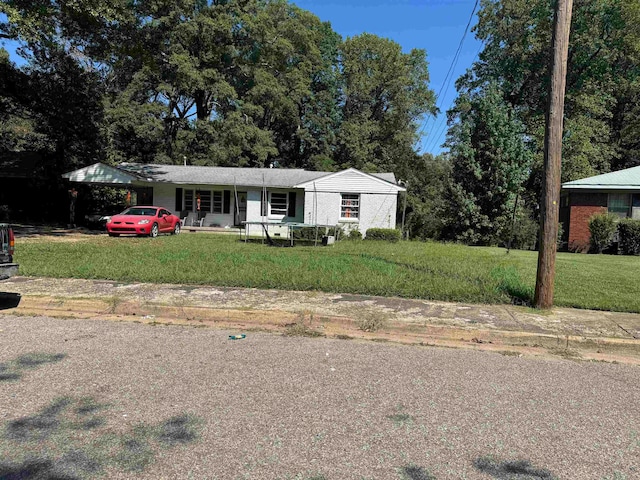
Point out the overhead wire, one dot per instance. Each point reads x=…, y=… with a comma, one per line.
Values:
x=447, y=79
x=442, y=123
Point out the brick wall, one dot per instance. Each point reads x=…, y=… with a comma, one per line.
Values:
x=579, y=234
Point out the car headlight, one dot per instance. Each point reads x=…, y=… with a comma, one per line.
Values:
x=143, y=222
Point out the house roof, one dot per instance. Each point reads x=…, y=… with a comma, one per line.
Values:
x=101, y=174
x=200, y=175
x=628, y=179
x=381, y=178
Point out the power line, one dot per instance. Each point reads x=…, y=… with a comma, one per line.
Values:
x=447, y=79
x=442, y=123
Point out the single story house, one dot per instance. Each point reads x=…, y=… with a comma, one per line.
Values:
x=229, y=196
x=615, y=192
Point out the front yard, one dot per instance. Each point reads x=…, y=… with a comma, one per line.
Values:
x=430, y=270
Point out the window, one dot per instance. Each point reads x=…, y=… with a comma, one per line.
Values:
x=205, y=200
x=619, y=203
x=279, y=204
x=217, y=202
x=188, y=200
x=350, y=206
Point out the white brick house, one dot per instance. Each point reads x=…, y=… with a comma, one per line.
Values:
x=230, y=196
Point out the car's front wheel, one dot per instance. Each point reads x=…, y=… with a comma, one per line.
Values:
x=111, y=234
x=153, y=233
x=176, y=229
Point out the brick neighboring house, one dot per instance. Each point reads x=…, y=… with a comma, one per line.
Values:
x=615, y=192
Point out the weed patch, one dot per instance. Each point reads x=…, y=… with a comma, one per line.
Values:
x=401, y=419
x=373, y=322
x=302, y=327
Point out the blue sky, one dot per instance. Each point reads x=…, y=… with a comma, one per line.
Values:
x=434, y=25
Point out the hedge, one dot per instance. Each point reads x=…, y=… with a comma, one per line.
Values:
x=388, y=234
x=629, y=236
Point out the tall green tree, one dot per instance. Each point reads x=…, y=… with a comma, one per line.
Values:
x=490, y=161
x=601, y=83
x=385, y=92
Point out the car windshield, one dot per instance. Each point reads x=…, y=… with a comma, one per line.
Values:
x=148, y=212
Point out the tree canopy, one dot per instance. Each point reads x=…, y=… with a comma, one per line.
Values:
x=221, y=82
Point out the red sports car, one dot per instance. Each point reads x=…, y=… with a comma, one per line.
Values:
x=143, y=221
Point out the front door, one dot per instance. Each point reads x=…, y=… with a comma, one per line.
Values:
x=240, y=214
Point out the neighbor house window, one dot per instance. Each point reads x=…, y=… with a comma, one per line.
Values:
x=279, y=204
x=620, y=204
x=188, y=200
x=350, y=206
x=217, y=202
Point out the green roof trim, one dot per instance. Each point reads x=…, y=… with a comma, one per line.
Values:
x=627, y=179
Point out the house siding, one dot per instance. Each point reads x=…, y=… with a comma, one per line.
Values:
x=351, y=181
x=376, y=211
x=254, y=212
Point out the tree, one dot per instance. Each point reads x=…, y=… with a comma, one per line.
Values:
x=601, y=84
x=427, y=196
x=490, y=160
x=385, y=93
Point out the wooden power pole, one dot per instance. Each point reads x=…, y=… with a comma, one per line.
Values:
x=553, y=157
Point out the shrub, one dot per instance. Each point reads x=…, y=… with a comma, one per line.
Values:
x=629, y=234
x=602, y=227
x=309, y=233
x=354, y=234
x=388, y=234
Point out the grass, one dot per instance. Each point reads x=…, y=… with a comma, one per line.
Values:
x=432, y=271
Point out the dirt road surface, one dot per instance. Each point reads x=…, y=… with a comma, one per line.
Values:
x=87, y=398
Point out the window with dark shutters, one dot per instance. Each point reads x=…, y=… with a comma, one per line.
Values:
x=227, y=202
x=178, y=200
x=292, y=205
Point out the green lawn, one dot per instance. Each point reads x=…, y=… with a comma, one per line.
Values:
x=409, y=269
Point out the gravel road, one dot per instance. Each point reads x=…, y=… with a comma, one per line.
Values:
x=99, y=399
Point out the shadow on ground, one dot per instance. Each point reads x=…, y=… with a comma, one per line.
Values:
x=71, y=438
x=62, y=455
x=511, y=469
x=13, y=369
x=413, y=472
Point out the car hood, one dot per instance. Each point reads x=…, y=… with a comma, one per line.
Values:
x=131, y=218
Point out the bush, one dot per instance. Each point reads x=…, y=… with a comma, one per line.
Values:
x=603, y=228
x=388, y=234
x=309, y=233
x=629, y=234
x=354, y=234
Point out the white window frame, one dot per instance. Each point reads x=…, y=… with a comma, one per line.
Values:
x=357, y=207
x=277, y=214
x=217, y=199
x=205, y=200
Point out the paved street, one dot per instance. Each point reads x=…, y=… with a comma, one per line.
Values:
x=95, y=398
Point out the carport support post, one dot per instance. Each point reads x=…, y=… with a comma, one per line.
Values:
x=553, y=157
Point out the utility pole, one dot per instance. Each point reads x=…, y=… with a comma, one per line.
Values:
x=553, y=157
